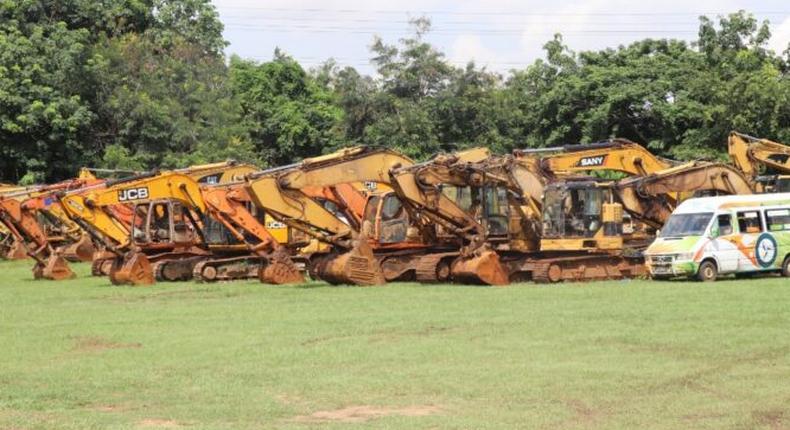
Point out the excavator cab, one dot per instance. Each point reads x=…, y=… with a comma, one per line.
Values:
x=581, y=215
x=488, y=205
x=163, y=222
x=387, y=217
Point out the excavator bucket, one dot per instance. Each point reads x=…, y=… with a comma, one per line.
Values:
x=358, y=266
x=81, y=250
x=281, y=270
x=17, y=251
x=133, y=269
x=102, y=263
x=55, y=268
x=484, y=268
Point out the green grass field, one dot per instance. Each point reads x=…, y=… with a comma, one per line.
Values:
x=81, y=354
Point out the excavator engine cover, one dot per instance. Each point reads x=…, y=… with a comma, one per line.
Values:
x=133, y=269
x=55, y=269
x=81, y=250
x=281, y=270
x=358, y=266
x=484, y=268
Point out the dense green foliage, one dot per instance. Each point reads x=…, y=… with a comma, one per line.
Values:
x=144, y=83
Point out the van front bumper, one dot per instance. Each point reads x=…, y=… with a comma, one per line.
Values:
x=670, y=265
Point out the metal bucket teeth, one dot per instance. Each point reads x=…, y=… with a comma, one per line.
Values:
x=56, y=268
x=133, y=269
x=484, y=268
x=81, y=250
x=17, y=251
x=281, y=270
x=358, y=266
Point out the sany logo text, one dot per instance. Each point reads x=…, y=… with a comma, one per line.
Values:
x=592, y=161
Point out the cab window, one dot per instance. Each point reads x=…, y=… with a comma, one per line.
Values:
x=778, y=219
x=725, y=224
x=749, y=222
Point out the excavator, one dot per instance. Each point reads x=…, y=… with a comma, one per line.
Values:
x=527, y=223
x=179, y=229
x=210, y=174
x=765, y=163
x=373, y=243
x=10, y=249
x=39, y=225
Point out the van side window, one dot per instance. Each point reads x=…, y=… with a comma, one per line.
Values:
x=749, y=222
x=725, y=224
x=778, y=219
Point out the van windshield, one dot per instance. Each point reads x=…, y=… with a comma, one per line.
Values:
x=682, y=225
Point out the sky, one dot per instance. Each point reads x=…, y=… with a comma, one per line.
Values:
x=498, y=34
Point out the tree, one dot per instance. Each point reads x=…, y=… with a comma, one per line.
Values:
x=288, y=114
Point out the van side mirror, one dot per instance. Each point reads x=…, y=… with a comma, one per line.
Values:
x=714, y=231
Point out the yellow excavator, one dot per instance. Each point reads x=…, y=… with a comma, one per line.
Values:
x=546, y=228
x=382, y=247
x=180, y=228
x=764, y=162
x=213, y=173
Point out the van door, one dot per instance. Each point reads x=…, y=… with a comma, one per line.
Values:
x=750, y=225
x=723, y=246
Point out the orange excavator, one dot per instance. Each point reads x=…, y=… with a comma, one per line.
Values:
x=28, y=214
x=10, y=248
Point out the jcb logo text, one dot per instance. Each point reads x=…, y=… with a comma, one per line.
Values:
x=133, y=194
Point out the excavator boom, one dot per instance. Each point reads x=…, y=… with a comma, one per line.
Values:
x=620, y=155
x=765, y=163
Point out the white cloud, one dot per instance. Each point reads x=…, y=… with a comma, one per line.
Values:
x=470, y=47
x=780, y=37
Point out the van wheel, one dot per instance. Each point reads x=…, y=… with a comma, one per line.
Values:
x=707, y=271
x=786, y=267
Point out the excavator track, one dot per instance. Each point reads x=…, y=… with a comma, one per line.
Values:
x=227, y=269
x=175, y=268
x=586, y=268
x=434, y=267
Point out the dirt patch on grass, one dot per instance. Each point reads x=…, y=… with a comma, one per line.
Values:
x=775, y=419
x=96, y=344
x=107, y=408
x=387, y=335
x=158, y=423
x=352, y=414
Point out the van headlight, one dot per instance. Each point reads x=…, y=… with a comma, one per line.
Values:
x=684, y=256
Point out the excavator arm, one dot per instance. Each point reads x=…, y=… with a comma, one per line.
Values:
x=90, y=207
x=229, y=205
x=283, y=192
x=755, y=157
x=651, y=198
x=620, y=155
